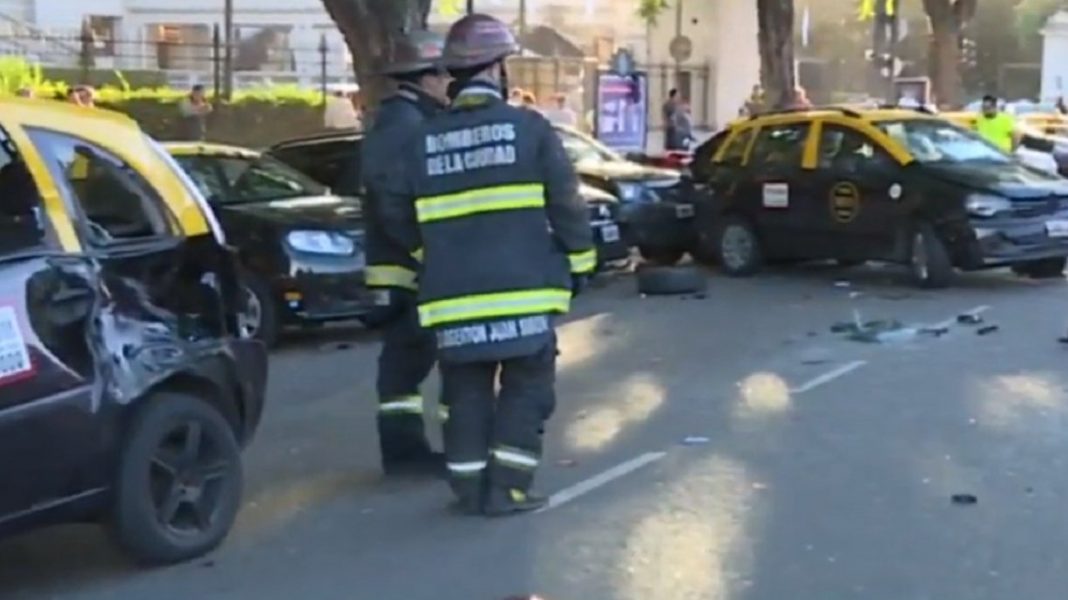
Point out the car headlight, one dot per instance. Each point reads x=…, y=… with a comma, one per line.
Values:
x=321, y=242
x=986, y=205
x=637, y=193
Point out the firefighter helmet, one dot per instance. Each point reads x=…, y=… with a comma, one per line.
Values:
x=414, y=52
x=478, y=40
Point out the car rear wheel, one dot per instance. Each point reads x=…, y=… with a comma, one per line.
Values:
x=259, y=318
x=929, y=259
x=738, y=247
x=660, y=256
x=179, y=480
x=1047, y=268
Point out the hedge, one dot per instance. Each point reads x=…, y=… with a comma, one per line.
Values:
x=253, y=118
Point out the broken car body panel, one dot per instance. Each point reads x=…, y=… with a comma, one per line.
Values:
x=93, y=321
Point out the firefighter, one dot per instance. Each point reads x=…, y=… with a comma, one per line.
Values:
x=493, y=208
x=407, y=355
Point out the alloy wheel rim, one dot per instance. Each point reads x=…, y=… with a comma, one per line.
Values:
x=250, y=320
x=737, y=246
x=187, y=479
x=919, y=257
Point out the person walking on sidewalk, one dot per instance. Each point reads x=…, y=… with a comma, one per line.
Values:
x=193, y=111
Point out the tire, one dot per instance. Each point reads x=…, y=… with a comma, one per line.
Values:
x=660, y=256
x=928, y=258
x=738, y=248
x=158, y=454
x=664, y=281
x=259, y=320
x=1047, y=268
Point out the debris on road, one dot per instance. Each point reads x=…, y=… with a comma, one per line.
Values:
x=987, y=330
x=970, y=318
x=842, y=284
x=935, y=331
x=567, y=462
x=695, y=440
x=964, y=499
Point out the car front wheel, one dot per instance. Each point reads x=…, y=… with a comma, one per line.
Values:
x=179, y=480
x=259, y=317
x=1047, y=268
x=929, y=260
x=738, y=247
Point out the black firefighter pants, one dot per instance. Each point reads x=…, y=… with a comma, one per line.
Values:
x=495, y=438
x=405, y=362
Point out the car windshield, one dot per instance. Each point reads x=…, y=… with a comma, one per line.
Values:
x=581, y=148
x=935, y=141
x=264, y=178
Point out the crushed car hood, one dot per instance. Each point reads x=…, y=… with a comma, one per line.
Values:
x=319, y=211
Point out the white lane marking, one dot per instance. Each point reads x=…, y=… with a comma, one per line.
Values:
x=588, y=485
x=828, y=377
x=978, y=310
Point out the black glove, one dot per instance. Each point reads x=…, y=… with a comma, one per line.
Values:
x=578, y=284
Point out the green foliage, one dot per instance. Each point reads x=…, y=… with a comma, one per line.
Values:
x=16, y=74
x=1031, y=16
x=649, y=10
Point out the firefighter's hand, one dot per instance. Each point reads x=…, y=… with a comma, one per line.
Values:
x=578, y=284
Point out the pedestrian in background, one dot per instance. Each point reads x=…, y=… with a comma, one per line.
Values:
x=87, y=96
x=667, y=112
x=682, y=128
x=561, y=113
x=996, y=126
x=193, y=111
x=24, y=93
x=515, y=97
x=340, y=112
x=529, y=101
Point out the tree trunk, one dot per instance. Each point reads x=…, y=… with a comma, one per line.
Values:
x=947, y=17
x=369, y=27
x=776, y=39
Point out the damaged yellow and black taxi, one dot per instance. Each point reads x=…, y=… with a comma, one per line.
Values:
x=889, y=185
x=126, y=394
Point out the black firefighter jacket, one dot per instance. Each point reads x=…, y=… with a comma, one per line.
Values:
x=399, y=117
x=491, y=207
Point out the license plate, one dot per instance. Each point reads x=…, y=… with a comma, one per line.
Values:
x=683, y=211
x=1057, y=229
x=610, y=233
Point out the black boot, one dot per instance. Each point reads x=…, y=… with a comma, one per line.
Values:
x=501, y=502
x=421, y=464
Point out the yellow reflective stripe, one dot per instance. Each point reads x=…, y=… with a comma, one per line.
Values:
x=417, y=254
x=411, y=405
x=467, y=468
x=489, y=306
x=389, y=276
x=443, y=412
x=583, y=262
x=492, y=199
x=517, y=459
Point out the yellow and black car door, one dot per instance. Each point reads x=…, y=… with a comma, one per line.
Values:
x=860, y=188
x=49, y=432
x=157, y=275
x=776, y=190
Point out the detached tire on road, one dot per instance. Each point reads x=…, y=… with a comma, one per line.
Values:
x=660, y=256
x=928, y=258
x=179, y=480
x=738, y=247
x=1047, y=268
x=664, y=281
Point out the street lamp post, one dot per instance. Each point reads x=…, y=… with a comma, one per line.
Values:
x=228, y=51
x=470, y=7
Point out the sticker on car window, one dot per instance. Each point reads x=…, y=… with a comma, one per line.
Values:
x=845, y=202
x=15, y=360
x=776, y=195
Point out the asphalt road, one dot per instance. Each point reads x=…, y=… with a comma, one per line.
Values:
x=725, y=447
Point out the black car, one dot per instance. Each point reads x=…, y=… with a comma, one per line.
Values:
x=301, y=245
x=656, y=206
x=332, y=159
x=125, y=394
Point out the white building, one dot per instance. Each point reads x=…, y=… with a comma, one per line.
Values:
x=1054, y=51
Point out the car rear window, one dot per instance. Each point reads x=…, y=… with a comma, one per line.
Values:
x=335, y=164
